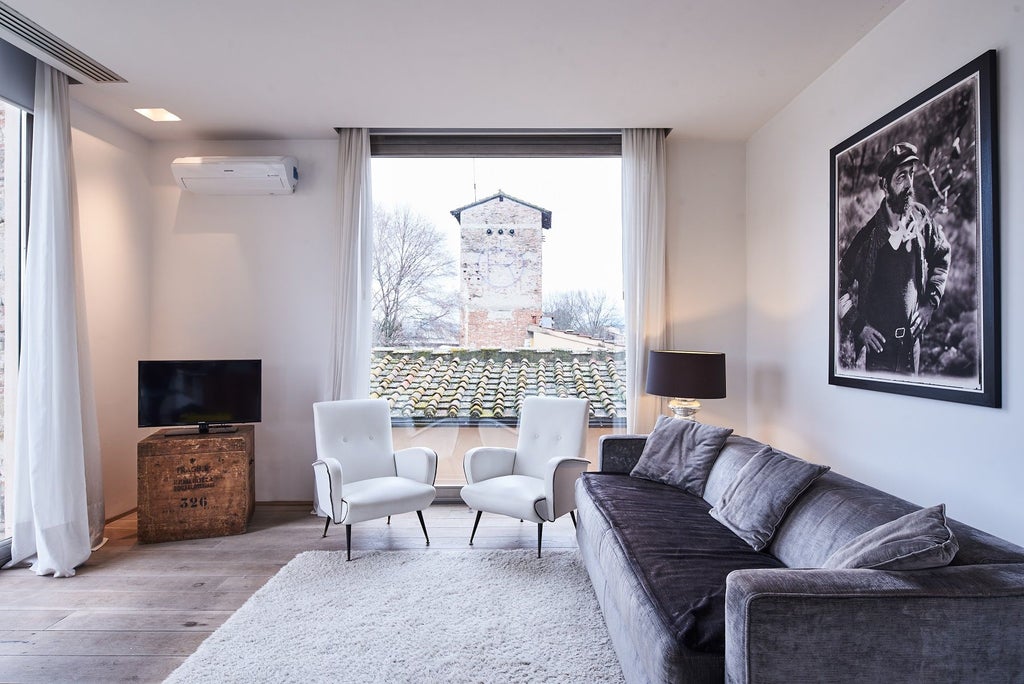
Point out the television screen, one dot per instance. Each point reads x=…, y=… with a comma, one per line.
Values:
x=199, y=392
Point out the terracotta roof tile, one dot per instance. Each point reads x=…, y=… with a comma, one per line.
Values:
x=481, y=384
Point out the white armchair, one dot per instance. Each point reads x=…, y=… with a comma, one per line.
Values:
x=359, y=475
x=536, y=480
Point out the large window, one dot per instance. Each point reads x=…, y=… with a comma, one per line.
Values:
x=495, y=278
x=13, y=123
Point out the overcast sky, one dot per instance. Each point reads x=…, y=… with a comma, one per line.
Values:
x=583, y=248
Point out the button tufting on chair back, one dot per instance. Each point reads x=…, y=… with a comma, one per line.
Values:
x=358, y=434
x=549, y=427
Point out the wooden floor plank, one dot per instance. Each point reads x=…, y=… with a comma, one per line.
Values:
x=98, y=619
x=197, y=599
x=100, y=642
x=87, y=669
x=31, y=619
x=106, y=582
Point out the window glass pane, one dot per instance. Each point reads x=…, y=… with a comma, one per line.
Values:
x=11, y=119
x=495, y=279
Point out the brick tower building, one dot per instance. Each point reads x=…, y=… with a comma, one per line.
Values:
x=501, y=261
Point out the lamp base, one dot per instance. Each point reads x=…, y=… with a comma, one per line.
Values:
x=684, y=408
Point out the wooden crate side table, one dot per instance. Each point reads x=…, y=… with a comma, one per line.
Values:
x=195, y=486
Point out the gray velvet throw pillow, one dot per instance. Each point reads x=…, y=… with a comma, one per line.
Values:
x=757, y=499
x=917, y=541
x=681, y=453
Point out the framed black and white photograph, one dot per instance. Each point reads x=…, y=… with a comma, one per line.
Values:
x=914, y=302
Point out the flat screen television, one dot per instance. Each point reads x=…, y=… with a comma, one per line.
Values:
x=210, y=395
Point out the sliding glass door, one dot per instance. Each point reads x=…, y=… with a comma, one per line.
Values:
x=13, y=151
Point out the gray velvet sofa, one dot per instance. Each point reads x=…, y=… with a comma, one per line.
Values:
x=785, y=618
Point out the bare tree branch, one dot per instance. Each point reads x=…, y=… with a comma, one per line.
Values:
x=411, y=299
x=584, y=311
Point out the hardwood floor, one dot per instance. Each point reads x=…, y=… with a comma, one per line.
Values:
x=135, y=611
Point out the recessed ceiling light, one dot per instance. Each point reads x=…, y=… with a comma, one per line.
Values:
x=158, y=114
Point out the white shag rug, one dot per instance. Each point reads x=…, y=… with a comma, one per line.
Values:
x=415, y=616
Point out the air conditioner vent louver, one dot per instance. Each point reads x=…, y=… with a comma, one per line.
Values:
x=18, y=25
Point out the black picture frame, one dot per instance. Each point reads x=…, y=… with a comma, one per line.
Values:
x=956, y=357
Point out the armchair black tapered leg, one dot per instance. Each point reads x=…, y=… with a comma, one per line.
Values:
x=572, y=515
x=424, y=526
x=326, y=525
x=389, y=520
x=475, y=523
x=348, y=542
x=540, y=536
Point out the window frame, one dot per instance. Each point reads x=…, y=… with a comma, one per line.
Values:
x=494, y=143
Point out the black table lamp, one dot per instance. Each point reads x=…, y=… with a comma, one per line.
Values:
x=686, y=376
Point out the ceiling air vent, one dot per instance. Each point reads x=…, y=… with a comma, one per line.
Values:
x=34, y=38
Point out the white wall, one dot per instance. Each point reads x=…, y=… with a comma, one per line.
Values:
x=252, y=277
x=115, y=213
x=706, y=225
x=923, y=450
x=174, y=275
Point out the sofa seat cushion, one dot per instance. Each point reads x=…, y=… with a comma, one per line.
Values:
x=680, y=554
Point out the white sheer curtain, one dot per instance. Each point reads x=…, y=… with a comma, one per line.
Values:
x=350, y=350
x=58, y=504
x=643, y=256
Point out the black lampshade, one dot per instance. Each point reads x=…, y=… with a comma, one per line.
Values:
x=690, y=374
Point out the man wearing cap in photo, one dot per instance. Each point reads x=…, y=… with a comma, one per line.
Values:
x=897, y=265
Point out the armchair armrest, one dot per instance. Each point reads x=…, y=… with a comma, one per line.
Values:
x=417, y=463
x=329, y=480
x=959, y=623
x=560, y=477
x=619, y=453
x=483, y=463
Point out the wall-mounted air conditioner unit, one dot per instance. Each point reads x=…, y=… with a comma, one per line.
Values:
x=236, y=175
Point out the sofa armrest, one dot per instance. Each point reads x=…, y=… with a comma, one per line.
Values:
x=619, y=453
x=961, y=623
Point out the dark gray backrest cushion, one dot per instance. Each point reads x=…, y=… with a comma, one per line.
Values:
x=734, y=455
x=832, y=511
x=916, y=541
x=681, y=453
x=756, y=501
x=980, y=548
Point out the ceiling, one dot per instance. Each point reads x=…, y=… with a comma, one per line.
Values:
x=252, y=69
